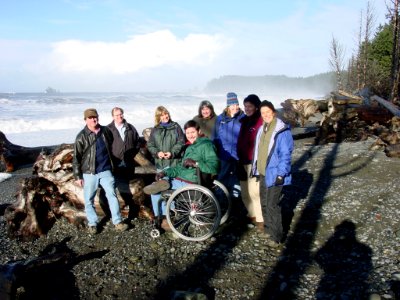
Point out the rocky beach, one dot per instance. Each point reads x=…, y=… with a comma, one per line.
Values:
x=342, y=216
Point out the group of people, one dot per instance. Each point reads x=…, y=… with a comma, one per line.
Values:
x=248, y=151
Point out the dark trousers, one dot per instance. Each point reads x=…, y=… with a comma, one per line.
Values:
x=271, y=209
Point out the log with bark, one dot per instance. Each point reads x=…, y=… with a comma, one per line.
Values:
x=347, y=117
x=13, y=156
x=51, y=193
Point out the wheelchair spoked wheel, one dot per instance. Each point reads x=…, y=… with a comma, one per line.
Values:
x=193, y=213
x=224, y=199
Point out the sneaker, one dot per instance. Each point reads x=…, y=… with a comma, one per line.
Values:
x=121, y=227
x=156, y=187
x=93, y=230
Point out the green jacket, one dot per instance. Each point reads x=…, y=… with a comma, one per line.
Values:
x=204, y=153
x=166, y=139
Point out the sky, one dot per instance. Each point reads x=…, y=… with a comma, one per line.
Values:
x=169, y=46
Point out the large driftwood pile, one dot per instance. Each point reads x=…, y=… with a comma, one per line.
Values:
x=51, y=193
x=346, y=117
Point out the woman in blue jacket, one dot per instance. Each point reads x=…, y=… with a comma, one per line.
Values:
x=272, y=163
x=225, y=137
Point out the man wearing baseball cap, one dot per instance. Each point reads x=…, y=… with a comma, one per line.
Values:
x=93, y=166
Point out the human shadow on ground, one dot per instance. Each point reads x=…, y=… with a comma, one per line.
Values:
x=291, y=195
x=296, y=256
x=346, y=263
x=196, y=277
x=49, y=276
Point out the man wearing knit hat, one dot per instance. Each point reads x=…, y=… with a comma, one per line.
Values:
x=225, y=135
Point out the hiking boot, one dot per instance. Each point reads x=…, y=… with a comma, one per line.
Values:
x=93, y=230
x=121, y=227
x=156, y=187
x=165, y=226
x=260, y=226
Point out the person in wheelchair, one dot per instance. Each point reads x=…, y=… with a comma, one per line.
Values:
x=200, y=153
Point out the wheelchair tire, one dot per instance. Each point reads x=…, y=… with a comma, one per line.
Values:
x=193, y=213
x=224, y=199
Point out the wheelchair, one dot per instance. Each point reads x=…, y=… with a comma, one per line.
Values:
x=195, y=211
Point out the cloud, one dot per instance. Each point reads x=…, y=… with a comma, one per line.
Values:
x=157, y=49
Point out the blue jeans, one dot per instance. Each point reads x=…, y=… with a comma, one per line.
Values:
x=90, y=184
x=175, y=184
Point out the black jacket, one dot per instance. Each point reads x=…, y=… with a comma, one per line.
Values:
x=85, y=150
x=124, y=150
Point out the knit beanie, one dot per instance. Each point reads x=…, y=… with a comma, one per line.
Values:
x=231, y=99
x=253, y=99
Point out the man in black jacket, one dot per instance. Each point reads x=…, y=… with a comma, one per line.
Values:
x=125, y=144
x=93, y=166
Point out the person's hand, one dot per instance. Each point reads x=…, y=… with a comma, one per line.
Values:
x=189, y=163
x=160, y=175
x=160, y=155
x=279, y=180
x=167, y=155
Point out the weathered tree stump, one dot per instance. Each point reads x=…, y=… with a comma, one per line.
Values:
x=51, y=193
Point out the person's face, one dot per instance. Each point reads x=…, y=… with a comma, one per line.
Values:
x=249, y=108
x=92, y=122
x=164, y=118
x=118, y=117
x=233, y=109
x=191, y=134
x=267, y=114
x=205, y=112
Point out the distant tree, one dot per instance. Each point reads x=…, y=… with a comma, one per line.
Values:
x=337, y=61
x=395, y=70
x=368, y=28
x=380, y=61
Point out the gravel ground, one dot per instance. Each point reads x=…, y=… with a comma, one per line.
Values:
x=343, y=243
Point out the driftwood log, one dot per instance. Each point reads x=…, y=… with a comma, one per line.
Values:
x=51, y=193
x=12, y=156
x=347, y=117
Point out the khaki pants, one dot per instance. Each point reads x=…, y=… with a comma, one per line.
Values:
x=251, y=196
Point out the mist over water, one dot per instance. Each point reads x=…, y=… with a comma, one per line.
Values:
x=40, y=119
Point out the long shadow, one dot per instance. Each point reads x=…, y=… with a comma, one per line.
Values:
x=346, y=263
x=296, y=256
x=196, y=276
x=49, y=276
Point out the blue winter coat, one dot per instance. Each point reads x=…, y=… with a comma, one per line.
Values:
x=280, y=154
x=226, y=133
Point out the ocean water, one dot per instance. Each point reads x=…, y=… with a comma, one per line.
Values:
x=39, y=119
